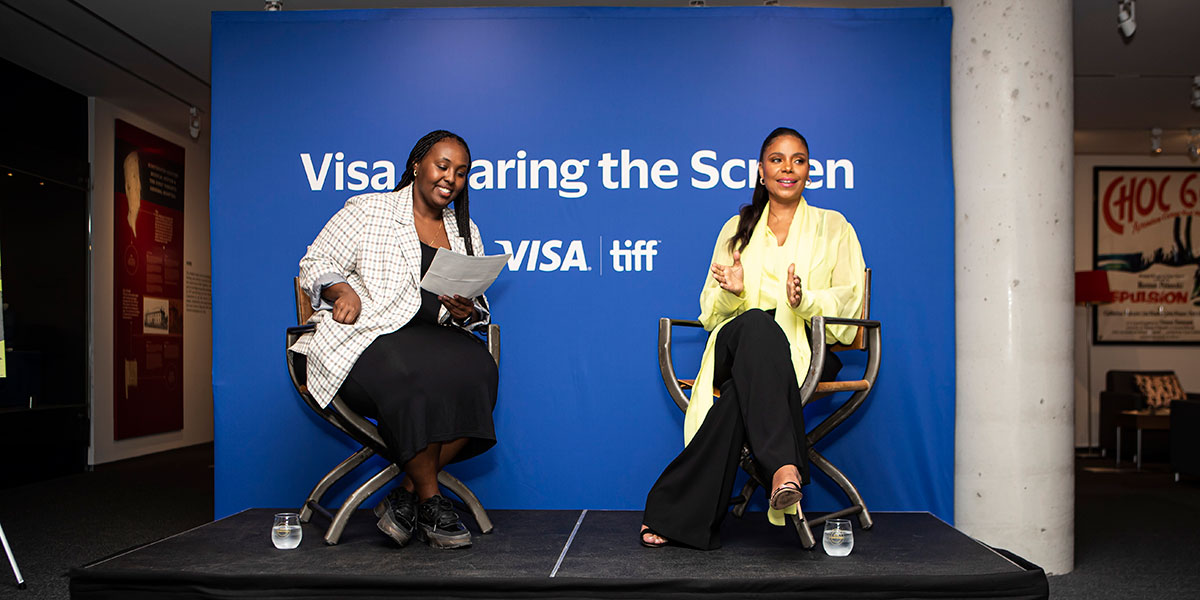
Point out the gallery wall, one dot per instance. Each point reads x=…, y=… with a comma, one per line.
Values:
x=197, y=323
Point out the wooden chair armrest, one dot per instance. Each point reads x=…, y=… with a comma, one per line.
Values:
x=665, y=365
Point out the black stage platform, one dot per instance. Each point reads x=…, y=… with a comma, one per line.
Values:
x=561, y=554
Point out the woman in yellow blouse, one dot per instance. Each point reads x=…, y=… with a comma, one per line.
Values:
x=776, y=264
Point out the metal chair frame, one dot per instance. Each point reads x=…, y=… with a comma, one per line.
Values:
x=12, y=560
x=867, y=339
x=366, y=433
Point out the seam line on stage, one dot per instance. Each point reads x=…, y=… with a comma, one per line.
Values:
x=567, y=546
x=143, y=546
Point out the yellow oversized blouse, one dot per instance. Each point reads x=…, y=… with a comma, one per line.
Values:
x=829, y=261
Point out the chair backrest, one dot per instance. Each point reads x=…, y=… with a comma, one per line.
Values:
x=860, y=340
x=304, y=308
x=1124, y=381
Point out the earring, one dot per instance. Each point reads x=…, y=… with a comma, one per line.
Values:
x=761, y=180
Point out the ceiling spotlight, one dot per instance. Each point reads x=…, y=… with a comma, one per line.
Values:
x=1126, y=21
x=273, y=6
x=1194, y=144
x=194, y=123
x=696, y=3
x=1156, y=141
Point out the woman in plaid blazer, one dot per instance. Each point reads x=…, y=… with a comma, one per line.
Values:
x=396, y=352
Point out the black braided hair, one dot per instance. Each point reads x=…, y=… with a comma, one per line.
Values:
x=751, y=213
x=462, y=212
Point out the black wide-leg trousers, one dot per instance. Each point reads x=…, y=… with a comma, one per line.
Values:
x=759, y=406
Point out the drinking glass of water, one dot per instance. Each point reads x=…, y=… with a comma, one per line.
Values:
x=286, y=532
x=839, y=537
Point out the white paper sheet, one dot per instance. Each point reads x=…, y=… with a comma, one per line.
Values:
x=452, y=273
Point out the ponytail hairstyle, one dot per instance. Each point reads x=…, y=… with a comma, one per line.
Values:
x=749, y=214
x=462, y=212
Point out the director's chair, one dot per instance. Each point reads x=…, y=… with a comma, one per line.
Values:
x=867, y=340
x=364, y=432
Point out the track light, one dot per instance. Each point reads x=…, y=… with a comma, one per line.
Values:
x=1194, y=144
x=1156, y=141
x=194, y=123
x=1126, y=21
x=273, y=5
x=1196, y=91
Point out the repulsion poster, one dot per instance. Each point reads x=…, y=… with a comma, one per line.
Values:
x=1145, y=237
x=148, y=283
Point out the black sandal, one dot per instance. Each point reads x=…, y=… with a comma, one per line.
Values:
x=647, y=531
x=786, y=495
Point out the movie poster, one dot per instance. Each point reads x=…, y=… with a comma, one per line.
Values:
x=148, y=284
x=1145, y=238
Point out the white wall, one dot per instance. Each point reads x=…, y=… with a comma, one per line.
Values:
x=197, y=327
x=1181, y=359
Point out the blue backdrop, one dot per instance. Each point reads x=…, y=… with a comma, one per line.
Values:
x=310, y=108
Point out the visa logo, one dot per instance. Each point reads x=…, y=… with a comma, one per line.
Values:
x=545, y=255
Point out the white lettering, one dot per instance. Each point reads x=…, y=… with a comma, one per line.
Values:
x=620, y=257
x=629, y=256
x=482, y=179
x=358, y=175
x=339, y=172
x=536, y=167
x=315, y=182
x=606, y=164
x=664, y=168
x=521, y=169
x=549, y=258
x=571, y=171
x=533, y=254
x=575, y=259
x=727, y=174
x=847, y=167
x=548, y=251
x=502, y=169
x=514, y=259
x=705, y=169
x=815, y=172
x=628, y=165
x=385, y=180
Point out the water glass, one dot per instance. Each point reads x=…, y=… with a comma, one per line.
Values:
x=839, y=537
x=286, y=532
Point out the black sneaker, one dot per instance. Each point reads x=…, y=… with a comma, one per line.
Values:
x=439, y=525
x=397, y=515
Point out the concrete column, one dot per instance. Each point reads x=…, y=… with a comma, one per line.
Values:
x=1011, y=123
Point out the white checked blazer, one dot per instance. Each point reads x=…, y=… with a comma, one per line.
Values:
x=372, y=243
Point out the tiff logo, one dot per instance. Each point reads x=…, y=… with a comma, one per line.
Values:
x=628, y=256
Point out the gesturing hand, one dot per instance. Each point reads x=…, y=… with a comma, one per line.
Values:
x=730, y=277
x=793, y=287
x=346, y=303
x=460, y=308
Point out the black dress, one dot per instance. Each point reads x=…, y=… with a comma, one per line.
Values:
x=426, y=383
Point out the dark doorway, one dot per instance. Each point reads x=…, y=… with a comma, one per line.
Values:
x=44, y=273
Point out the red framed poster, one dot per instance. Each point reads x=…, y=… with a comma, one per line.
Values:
x=148, y=284
x=1144, y=236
